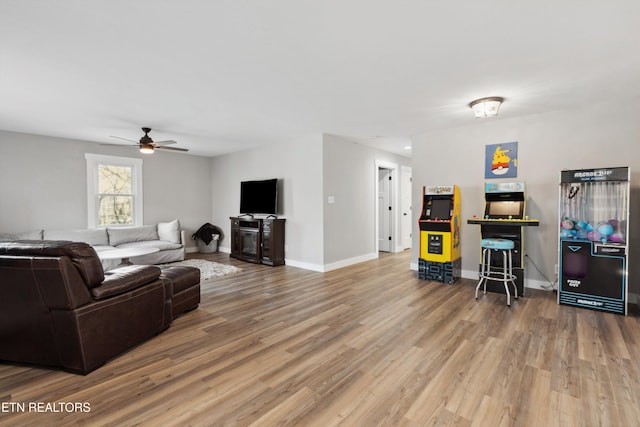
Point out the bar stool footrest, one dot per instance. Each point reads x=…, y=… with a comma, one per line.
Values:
x=498, y=276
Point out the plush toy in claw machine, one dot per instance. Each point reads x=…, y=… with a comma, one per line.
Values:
x=594, y=212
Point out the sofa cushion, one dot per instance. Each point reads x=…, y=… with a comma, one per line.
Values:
x=119, y=235
x=124, y=279
x=184, y=288
x=169, y=231
x=83, y=257
x=7, y=237
x=25, y=235
x=160, y=244
x=30, y=235
x=94, y=236
x=182, y=277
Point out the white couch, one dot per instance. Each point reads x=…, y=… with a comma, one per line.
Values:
x=166, y=236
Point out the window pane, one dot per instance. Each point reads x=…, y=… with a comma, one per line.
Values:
x=114, y=190
x=114, y=179
x=115, y=209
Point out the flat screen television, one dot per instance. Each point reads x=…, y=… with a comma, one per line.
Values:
x=259, y=197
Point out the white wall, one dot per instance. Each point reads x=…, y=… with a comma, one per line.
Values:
x=350, y=176
x=43, y=184
x=298, y=166
x=605, y=135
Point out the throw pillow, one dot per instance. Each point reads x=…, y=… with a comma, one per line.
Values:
x=30, y=235
x=8, y=237
x=169, y=231
x=92, y=236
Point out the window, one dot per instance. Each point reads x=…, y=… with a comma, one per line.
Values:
x=114, y=190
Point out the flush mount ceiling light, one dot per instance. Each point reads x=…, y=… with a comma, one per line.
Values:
x=486, y=107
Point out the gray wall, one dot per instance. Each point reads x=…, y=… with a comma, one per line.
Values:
x=350, y=176
x=319, y=236
x=43, y=184
x=604, y=135
x=298, y=166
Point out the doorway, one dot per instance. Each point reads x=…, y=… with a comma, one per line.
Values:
x=384, y=210
x=406, y=212
x=386, y=206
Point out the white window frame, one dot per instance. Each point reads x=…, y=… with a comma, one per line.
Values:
x=93, y=162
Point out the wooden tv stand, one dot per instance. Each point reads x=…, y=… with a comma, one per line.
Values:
x=258, y=240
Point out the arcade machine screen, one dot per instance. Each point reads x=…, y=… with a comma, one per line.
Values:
x=505, y=209
x=441, y=209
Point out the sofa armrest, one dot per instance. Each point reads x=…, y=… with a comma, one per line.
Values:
x=125, y=279
x=183, y=237
x=87, y=337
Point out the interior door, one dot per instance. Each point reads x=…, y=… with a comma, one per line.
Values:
x=406, y=221
x=384, y=210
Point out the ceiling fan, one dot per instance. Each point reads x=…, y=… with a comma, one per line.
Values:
x=147, y=145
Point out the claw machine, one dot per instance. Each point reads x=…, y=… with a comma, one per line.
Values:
x=593, y=251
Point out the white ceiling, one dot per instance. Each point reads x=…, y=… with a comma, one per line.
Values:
x=226, y=75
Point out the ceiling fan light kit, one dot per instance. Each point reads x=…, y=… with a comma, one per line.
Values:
x=486, y=107
x=146, y=145
x=146, y=148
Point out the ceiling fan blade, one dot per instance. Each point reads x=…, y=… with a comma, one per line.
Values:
x=124, y=139
x=121, y=145
x=162, y=147
x=147, y=143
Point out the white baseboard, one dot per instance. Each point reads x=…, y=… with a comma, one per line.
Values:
x=350, y=261
x=333, y=266
x=317, y=267
x=304, y=265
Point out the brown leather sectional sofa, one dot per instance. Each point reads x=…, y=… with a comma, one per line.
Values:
x=59, y=308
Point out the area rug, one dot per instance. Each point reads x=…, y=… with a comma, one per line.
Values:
x=208, y=269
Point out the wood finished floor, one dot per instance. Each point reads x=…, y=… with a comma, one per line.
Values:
x=366, y=345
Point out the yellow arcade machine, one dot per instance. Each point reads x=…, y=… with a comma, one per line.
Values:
x=439, y=225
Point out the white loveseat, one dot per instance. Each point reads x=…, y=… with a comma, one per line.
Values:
x=166, y=236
